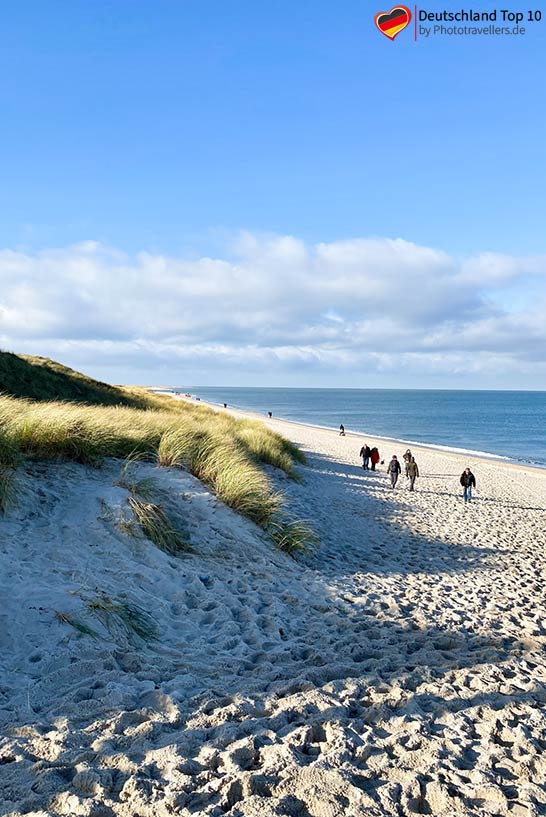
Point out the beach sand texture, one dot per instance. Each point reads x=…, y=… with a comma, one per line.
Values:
x=400, y=670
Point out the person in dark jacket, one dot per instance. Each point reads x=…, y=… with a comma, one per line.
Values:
x=374, y=457
x=365, y=452
x=342, y=430
x=468, y=481
x=407, y=460
x=394, y=470
x=412, y=471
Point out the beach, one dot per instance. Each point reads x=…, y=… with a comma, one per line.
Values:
x=398, y=669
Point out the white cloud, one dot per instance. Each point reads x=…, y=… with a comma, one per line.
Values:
x=275, y=304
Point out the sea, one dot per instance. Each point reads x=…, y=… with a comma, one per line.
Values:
x=507, y=425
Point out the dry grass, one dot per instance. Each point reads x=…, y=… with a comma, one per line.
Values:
x=120, y=615
x=7, y=489
x=223, y=464
x=80, y=626
x=292, y=536
x=156, y=526
x=9, y=459
x=225, y=453
x=145, y=488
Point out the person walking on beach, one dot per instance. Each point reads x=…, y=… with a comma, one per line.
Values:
x=407, y=460
x=365, y=452
x=394, y=470
x=412, y=471
x=374, y=457
x=342, y=430
x=269, y=414
x=468, y=481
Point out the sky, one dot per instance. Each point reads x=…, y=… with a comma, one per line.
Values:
x=196, y=192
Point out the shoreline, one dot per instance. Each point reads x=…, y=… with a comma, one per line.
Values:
x=430, y=448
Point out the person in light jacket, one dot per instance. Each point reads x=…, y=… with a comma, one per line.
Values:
x=412, y=471
x=394, y=470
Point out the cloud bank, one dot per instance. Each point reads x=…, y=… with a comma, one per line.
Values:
x=275, y=309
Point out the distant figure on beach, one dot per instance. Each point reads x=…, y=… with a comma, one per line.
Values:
x=269, y=415
x=468, y=481
x=412, y=471
x=342, y=430
x=407, y=460
x=225, y=405
x=394, y=470
x=365, y=452
x=374, y=457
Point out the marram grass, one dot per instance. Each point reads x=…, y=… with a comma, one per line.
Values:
x=156, y=526
x=80, y=626
x=226, y=454
x=7, y=489
x=9, y=460
x=119, y=617
x=292, y=536
x=119, y=614
x=223, y=464
x=145, y=488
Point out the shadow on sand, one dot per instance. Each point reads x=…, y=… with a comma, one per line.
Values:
x=277, y=696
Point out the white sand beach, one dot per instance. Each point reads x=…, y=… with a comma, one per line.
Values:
x=398, y=670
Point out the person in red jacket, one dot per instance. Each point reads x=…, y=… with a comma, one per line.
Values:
x=374, y=457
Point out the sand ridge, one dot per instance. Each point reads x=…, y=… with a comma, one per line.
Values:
x=398, y=670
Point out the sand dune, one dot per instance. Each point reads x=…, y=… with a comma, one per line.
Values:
x=398, y=670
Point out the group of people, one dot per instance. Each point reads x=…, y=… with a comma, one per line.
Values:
x=411, y=469
x=369, y=455
x=394, y=469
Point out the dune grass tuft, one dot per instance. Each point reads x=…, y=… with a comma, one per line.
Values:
x=9, y=459
x=266, y=446
x=118, y=614
x=80, y=626
x=156, y=526
x=7, y=488
x=292, y=536
x=224, y=465
x=144, y=488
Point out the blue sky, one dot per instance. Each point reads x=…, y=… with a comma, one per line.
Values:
x=171, y=128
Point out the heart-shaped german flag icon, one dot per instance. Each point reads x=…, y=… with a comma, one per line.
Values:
x=391, y=23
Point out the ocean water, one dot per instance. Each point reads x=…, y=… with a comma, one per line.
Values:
x=508, y=424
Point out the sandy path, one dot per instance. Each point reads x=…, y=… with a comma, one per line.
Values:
x=400, y=670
